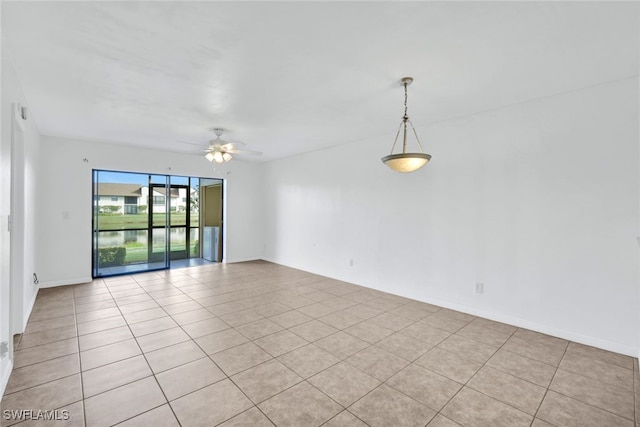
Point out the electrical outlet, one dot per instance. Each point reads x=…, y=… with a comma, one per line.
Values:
x=479, y=288
x=351, y=262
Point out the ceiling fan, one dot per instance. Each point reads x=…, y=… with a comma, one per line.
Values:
x=221, y=151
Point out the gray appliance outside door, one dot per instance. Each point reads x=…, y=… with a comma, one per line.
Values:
x=211, y=236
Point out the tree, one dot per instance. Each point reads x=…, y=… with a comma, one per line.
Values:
x=195, y=200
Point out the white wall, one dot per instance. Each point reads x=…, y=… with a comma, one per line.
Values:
x=18, y=261
x=66, y=201
x=5, y=254
x=25, y=164
x=31, y=162
x=539, y=201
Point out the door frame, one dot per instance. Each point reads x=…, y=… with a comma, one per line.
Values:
x=150, y=226
x=204, y=206
x=16, y=269
x=186, y=226
x=194, y=183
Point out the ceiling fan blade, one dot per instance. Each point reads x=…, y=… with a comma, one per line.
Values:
x=220, y=150
x=190, y=143
x=243, y=152
x=232, y=145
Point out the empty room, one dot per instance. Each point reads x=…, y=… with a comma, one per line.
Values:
x=309, y=213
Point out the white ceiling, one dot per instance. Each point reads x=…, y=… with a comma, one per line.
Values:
x=291, y=77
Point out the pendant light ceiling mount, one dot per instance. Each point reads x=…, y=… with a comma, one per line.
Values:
x=406, y=81
x=404, y=161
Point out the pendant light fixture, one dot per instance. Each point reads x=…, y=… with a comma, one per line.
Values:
x=406, y=162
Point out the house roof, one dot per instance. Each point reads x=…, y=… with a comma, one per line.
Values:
x=161, y=190
x=116, y=189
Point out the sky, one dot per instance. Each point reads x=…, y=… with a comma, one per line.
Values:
x=137, y=178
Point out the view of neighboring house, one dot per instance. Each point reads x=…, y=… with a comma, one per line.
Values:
x=120, y=198
x=177, y=198
x=128, y=199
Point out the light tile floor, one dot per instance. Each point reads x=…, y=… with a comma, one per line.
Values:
x=259, y=344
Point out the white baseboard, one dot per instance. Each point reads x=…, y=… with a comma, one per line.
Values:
x=537, y=327
x=615, y=347
x=4, y=380
x=18, y=326
x=65, y=282
x=236, y=260
x=271, y=260
x=29, y=310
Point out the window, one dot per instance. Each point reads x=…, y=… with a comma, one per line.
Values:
x=146, y=223
x=130, y=209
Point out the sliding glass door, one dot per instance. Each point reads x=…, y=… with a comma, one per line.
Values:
x=128, y=225
x=157, y=220
x=182, y=208
x=142, y=222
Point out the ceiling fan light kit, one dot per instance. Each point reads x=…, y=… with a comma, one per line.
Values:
x=221, y=151
x=406, y=161
x=218, y=157
x=217, y=151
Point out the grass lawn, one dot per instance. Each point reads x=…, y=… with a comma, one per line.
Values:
x=123, y=222
x=140, y=254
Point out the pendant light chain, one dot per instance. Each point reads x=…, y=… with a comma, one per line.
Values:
x=405, y=101
x=406, y=119
x=404, y=161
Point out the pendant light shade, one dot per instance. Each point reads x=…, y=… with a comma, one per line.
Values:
x=406, y=161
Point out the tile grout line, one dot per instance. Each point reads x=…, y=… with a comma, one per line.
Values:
x=288, y=286
x=84, y=412
x=548, y=388
x=208, y=356
x=141, y=354
x=153, y=373
x=439, y=412
x=145, y=358
x=306, y=379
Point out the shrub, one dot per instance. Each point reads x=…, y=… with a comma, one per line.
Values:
x=110, y=209
x=111, y=257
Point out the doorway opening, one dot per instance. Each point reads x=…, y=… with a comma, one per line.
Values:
x=144, y=222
